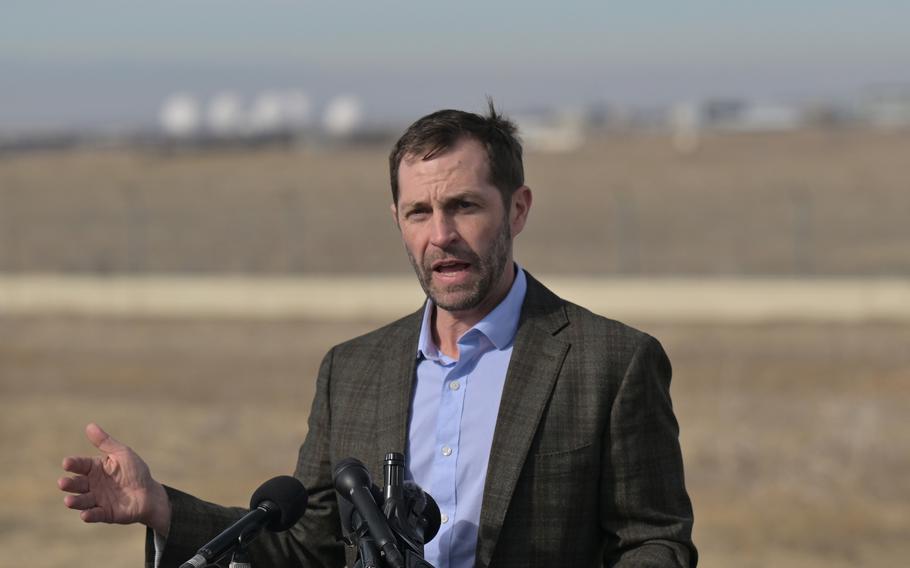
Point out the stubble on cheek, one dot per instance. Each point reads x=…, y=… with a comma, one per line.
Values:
x=486, y=271
x=423, y=278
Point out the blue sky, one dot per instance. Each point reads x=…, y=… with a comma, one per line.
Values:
x=106, y=62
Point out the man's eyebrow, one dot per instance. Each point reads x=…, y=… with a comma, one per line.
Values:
x=411, y=205
x=466, y=195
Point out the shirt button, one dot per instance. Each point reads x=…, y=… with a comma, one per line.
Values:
x=446, y=451
x=443, y=518
x=454, y=385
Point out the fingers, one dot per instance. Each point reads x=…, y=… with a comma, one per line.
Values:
x=78, y=464
x=84, y=501
x=80, y=502
x=94, y=515
x=85, y=504
x=102, y=440
x=78, y=484
x=88, y=512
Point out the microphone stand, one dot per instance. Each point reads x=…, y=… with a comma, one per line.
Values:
x=368, y=555
x=393, y=493
x=240, y=558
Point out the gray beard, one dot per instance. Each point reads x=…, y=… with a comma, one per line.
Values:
x=490, y=267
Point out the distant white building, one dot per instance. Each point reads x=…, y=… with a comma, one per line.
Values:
x=343, y=114
x=562, y=131
x=277, y=111
x=225, y=116
x=297, y=109
x=272, y=114
x=686, y=124
x=180, y=116
x=748, y=116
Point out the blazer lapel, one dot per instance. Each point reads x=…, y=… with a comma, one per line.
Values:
x=395, y=375
x=537, y=357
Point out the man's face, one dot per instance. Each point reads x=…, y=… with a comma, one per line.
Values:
x=455, y=227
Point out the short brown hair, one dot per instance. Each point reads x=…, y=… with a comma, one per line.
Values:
x=436, y=133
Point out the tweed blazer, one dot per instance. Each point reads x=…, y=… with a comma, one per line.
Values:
x=585, y=467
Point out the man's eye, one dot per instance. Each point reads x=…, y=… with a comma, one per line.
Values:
x=416, y=214
x=465, y=204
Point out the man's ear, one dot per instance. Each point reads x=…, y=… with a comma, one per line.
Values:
x=394, y=209
x=519, y=209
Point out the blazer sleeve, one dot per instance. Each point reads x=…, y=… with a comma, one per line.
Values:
x=646, y=512
x=313, y=541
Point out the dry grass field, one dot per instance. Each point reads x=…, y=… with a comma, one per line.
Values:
x=815, y=202
x=795, y=435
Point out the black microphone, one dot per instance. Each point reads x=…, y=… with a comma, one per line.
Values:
x=276, y=506
x=412, y=513
x=353, y=482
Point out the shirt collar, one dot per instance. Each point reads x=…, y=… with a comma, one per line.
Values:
x=499, y=326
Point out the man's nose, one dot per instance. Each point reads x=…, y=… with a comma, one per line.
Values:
x=444, y=232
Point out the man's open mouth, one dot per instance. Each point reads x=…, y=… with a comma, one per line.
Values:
x=446, y=266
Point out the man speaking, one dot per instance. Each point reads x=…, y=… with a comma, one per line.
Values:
x=544, y=432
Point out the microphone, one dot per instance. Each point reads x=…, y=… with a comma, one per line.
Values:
x=276, y=506
x=422, y=512
x=353, y=482
x=412, y=513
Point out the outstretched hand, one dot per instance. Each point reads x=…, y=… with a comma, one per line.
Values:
x=116, y=487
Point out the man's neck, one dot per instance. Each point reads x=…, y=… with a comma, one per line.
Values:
x=449, y=326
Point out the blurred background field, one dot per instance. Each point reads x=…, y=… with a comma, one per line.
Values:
x=793, y=428
x=794, y=435
x=194, y=207
x=821, y=202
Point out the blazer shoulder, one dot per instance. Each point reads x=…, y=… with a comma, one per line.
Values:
x=403, y=329
x=614, y=337
x=577, y=323
x=582, y=317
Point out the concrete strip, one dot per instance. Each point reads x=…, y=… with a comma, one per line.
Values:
x=741, y=300
x=372, y=297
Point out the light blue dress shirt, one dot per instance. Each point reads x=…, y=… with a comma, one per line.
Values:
x=453, y=415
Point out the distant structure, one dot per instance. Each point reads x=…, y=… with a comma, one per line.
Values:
x=342, y=116
x=271, y=116
x=733, y=114
x=296, y=109
x=561, y=131
x=273, y=112
x=289, y=116
x=887, y=107
x=225, y=116
x=685, y=123
x=180, y=116
x=267, y=113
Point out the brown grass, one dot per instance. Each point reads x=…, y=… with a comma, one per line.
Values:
x=813, y=202
x=795, y=436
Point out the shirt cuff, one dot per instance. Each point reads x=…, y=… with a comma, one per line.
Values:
x=159, y=548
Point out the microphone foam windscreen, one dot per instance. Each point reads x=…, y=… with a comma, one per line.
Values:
x=288, y=494
x=424, y=510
